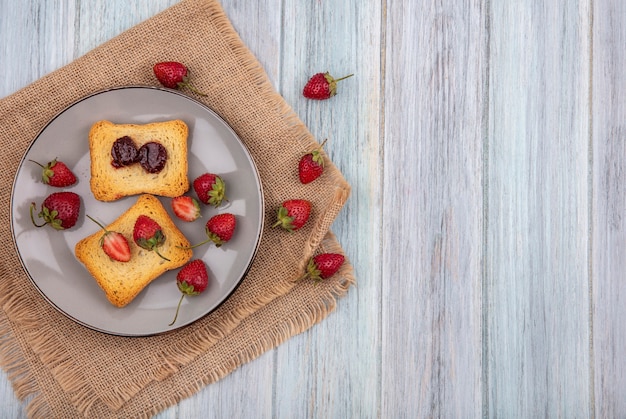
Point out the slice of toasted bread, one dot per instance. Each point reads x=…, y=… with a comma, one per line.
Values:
x=122, y=281
x=109, y=183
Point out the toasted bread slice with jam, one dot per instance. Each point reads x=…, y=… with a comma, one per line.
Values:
x=109, y=183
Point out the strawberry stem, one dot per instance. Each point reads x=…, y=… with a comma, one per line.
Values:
x=157, y=252
x=344, y=77
x=185, y=83
x=195, y=245
x=37, y=163
x=101, y=226
x=177, y=308
x=32, y=218
x=190, y=87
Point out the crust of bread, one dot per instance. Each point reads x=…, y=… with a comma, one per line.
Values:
x=109, y=183
x=123, y=281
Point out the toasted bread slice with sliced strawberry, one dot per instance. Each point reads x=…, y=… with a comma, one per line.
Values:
x=123, y=281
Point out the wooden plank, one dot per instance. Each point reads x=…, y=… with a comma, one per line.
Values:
x=32, y=26
x=538, y=216
x=609, y=208
x=333, y=369
x=97, y=21
x=10, y=407
x=433, y=208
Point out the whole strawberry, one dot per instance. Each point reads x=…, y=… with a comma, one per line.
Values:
x=293, y=214
x=113, y=243
x=219, y=229
x=59, y=209
x=322, y=86
x=210, y=188
x=56, y=173
x=192, y=279
x=323, y=266
x=148, y=234
x=186, y=208
x=311, y=165
x=174, y=75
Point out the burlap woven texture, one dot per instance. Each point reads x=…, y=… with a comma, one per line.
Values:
x=67, y=370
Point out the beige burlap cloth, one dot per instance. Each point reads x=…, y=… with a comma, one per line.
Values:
x=66, y=370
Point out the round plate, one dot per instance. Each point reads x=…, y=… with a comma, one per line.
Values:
x=48, y=255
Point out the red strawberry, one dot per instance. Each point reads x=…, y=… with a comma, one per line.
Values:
x=114, y=244
x=174, y=75
x=59, y=209
x=321, y=86
x=323, y=266
x=293, y=214
x=210, y=189
x=186, y=208
x=219, y=229
x=311, y=165
x=192, y=279
x=147, y=234
x=56, y=173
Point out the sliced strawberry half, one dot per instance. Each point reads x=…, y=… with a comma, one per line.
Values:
x=186, y=208
x=114, y=244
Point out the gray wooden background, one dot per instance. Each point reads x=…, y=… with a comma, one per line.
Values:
x=485, y=141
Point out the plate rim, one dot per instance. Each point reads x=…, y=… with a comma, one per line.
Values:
x=262, y=208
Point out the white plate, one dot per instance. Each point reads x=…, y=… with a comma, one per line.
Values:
x=48, y=255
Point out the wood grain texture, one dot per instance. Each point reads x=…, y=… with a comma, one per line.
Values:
x=26, y=29
x=537, y=220
x=433, y=209
x=609, y=209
